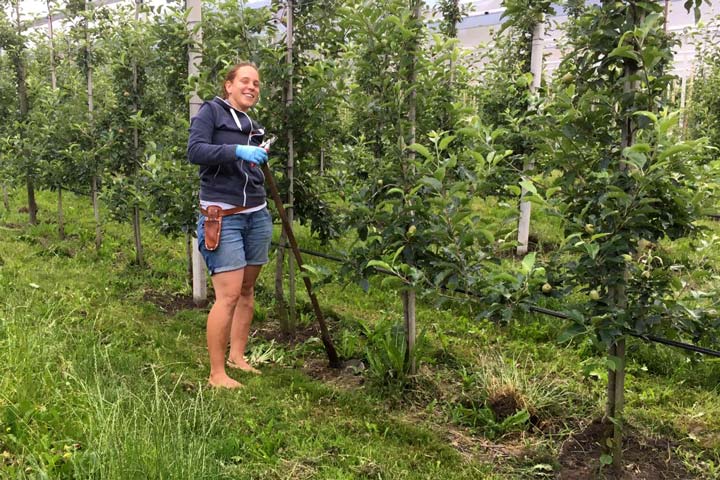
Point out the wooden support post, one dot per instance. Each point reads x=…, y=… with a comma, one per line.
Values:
x=194, y=8
x=536, y=66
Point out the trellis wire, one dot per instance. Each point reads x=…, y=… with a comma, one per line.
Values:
x=545, y=311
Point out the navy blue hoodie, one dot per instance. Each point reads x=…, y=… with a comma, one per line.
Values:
x=213, y=137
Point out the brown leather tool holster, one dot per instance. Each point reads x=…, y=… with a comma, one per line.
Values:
x=213, y=223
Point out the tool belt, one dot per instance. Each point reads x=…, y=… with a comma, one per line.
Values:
x=213, y=223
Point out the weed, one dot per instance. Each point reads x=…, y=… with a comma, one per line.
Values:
x=387, y=354
x=508, y=387
x=263, y=353
x=485, y=421
x=350, y=345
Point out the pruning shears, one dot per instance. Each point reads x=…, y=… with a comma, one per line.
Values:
x=266, y=145
x=269, y=141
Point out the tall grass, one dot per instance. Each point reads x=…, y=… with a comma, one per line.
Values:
x=146, y=435
x=66, y=413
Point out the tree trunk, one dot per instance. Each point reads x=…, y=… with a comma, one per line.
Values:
x=189, y=256
x=409, y=296
x=687, y=102
x=194, y=7
x=17, y=55
x=617, y=296
x=536, y=67
x=32, y=204
x=139, y=257
x=290, y=166
x=286, y=325
x=53, y=75
x=616, y=402
x=96, y=213
x=53, y=85
x=61, y=217
x=6, y=197
x=91, y=107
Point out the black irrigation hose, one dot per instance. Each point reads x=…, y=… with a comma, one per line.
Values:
x=649, y=338
x=545, y=311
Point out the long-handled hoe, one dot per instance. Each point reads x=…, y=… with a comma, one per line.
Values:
x=324, y=334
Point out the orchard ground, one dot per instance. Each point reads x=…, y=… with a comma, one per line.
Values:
x=103, y=374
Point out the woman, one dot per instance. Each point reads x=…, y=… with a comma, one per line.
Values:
x=224, y=143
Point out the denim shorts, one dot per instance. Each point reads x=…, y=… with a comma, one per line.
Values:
x=244, y=240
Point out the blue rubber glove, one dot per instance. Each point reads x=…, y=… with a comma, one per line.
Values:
x=251, y=154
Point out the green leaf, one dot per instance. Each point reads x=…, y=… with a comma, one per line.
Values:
x=391, y=282
x=606, y=459
x=516, y=420
x=592, y=249
x=397, y=253
x=552, y=191
x=571, y=332
x=528, y=186
x=395, y=190
x=613, y=362
x=625, y=51
x=636, y=154
x=674, y=149
x=503, y=277
x=311, y=269
x=432, y=182
x=440, y=277
x=379, y=264
x=489, y=237
x=469, y=131
x=528, y=262
x=421, y=149
x=647, y=114
x=445, y=142
x=513, y=190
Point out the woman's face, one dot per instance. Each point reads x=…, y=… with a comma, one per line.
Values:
x=243, y=91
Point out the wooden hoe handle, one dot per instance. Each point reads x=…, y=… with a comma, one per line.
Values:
x=324, y=334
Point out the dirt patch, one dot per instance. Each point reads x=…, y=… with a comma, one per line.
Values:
x=170, y=303
x=505, y=403
x=271, y=331
x=348, y=377
x=13, y=226
x=644, y=458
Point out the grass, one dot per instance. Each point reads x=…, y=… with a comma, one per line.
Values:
x=96, y=381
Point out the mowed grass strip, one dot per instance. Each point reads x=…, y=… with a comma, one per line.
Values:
x=97, y=383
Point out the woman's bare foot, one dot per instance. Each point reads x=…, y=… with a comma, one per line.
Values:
x=242, y=365
x=223, y=381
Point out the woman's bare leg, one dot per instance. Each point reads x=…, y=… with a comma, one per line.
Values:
x=242, y=319
x=228, y=286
